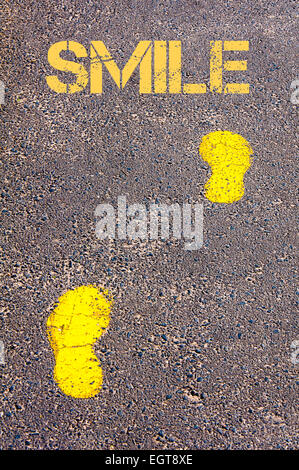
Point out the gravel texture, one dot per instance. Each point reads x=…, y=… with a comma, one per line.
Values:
x=197, y=354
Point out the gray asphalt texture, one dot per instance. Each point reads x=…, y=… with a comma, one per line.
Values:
x=197, y=354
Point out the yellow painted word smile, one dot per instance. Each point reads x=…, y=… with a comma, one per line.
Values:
x=160, y=67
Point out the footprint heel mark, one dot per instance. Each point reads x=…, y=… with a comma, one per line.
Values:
x=75, y=324
x=229, y=156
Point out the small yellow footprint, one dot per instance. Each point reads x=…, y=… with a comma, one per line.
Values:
x=229, y=156
x=73, y=327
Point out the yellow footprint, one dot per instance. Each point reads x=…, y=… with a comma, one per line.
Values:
x=73, y=327
x=229, y=156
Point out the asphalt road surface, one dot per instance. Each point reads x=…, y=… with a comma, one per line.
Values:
x=198, y=351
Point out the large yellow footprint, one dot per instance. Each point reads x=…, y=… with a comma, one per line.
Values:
x=73, y=327
x=229, y=156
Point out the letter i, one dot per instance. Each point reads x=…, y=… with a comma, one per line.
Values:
x=175, y=67
x=160, y=67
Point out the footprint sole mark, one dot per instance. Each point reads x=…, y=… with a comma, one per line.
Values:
x=76, y=323
x=229, y=156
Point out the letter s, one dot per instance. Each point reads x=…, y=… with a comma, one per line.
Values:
x=67, y=66
x=295, y=94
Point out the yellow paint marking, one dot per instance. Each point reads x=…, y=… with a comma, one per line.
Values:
x=236, y=45
x=175, y=66
x=216, y=67
x=160, y=61
x=229, y=156
x=231, y=65
x=73, y=327
x=237, y=88
x=194, y=88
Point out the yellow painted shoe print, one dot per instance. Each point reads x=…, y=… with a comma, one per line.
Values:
x=229, y=156
x=73, y=327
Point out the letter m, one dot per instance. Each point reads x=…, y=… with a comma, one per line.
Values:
x=142, y=56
